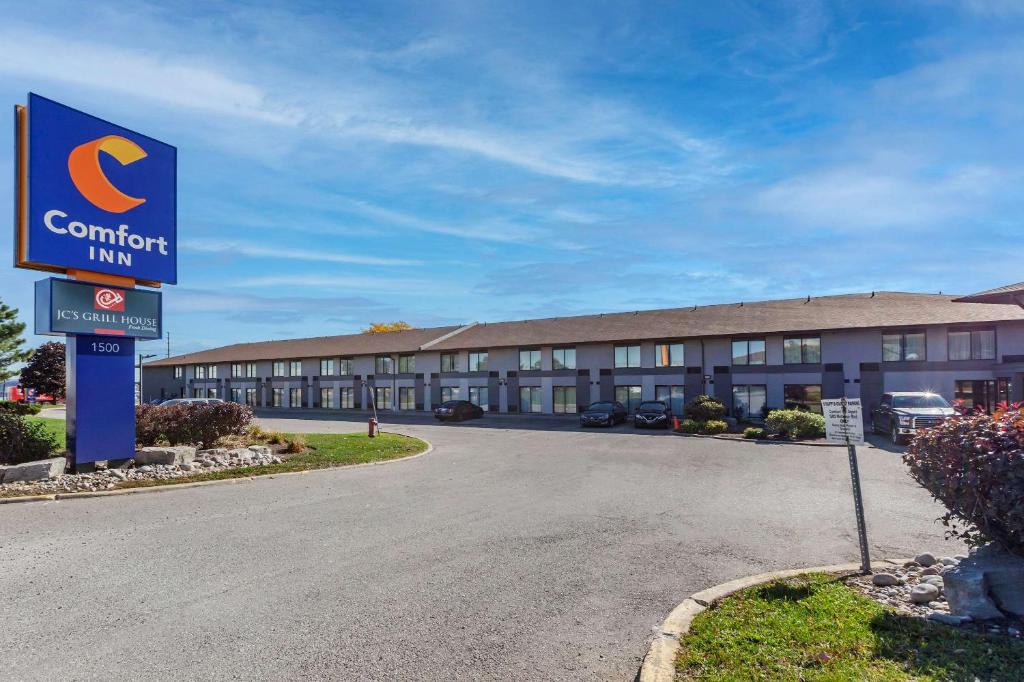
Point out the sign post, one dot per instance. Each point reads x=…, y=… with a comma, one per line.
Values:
x=844, y=423
x=98, y=203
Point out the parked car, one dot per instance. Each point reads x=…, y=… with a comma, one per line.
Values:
x=458, y=410
x=652, y=413
x=192, y=401
x=902, y=414
x=604, y=413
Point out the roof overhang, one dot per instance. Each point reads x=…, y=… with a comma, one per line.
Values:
x=1012, y=294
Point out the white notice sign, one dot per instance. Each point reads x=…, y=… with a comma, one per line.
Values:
x=843, y=425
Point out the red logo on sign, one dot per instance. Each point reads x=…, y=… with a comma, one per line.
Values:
x=108, y=299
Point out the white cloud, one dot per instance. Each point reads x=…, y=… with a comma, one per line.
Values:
x=242, y=248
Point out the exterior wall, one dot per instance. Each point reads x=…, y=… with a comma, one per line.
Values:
x=847, y=359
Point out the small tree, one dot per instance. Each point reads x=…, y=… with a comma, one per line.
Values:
x=975, y=466
x=379, y=327
x=10, y=341
x=45, y=370
x=704, y=408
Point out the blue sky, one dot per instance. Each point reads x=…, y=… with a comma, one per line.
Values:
x=446, y=162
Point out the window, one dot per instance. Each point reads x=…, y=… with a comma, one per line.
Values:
x=327, y=367
x=627, y=356
x=478, y=361
x=236, y=395
x=565, y=400
x=383, y=364
x=563, y=358
x=748, y=352
x=983, y=394
x=327, y=398
x=748, y=400
x=211, y=393
x=348, y=399
x=345, y=368
x=529, y=397
x=669, y=355
x=212, y=373
x=529, y=359
x=382, y=396
x=406, y=364
x=978, y=344
x=449, y=393
x=803, y=397
x=295, y=368
x=236, y=370
x=628, y=396
x=407, y=398
x=294, y=397
x=179, y=372
x=200, y=372
x=897, y=346
x=250, y=397
x=804, y=350
x=250, y=370
x=478, y=396
x=277, y=397
x=197, y=393
x=449, y=362
x=671, y=396
x=278, y=368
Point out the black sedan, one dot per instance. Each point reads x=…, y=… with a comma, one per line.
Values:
x=653, y=413
x=606, y=413
x=458, y=410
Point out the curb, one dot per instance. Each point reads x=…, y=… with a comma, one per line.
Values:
x=169, y=487
x=660, y=662
x=758, y=441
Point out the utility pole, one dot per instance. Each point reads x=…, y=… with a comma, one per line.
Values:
x=141, y=357
x=168, y=344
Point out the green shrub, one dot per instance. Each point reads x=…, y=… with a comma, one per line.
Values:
x=713, y=426
x=691, y=426
x=796, y=423
x=23, y=409
x=704, y=408
x=22, y=440
x=755, y=433
x=190, y=423
x=975, y=466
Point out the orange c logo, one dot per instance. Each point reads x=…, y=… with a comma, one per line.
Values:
x=89, y=178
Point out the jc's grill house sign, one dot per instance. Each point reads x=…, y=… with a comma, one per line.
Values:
x=69, y=307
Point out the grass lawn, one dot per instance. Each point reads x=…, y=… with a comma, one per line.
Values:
x=323, y=450
x=54, y=426
x=815, y=628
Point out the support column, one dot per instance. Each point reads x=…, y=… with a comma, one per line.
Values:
x=100, y=398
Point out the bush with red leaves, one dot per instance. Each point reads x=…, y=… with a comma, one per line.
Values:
x=190, y=423
x=974, y=464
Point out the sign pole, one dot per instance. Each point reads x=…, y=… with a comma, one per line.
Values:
x=858, y=504
x=845, y=425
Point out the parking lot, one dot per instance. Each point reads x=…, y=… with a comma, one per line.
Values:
x=520, y=548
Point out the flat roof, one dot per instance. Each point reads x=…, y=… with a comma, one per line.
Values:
x=880, y=309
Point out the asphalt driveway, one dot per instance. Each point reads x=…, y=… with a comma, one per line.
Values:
x=509, y=553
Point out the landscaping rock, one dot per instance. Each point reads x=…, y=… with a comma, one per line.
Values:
x=931, y=570
x=949, y=561
x=988, y=584
x=948, y=619
x=924, y=593
x=177, y=454
x=260, y=449
x=117, y=473
x=925, y=559
x=38, y=470
x=885, y=579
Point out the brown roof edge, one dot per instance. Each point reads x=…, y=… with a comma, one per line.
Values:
x=445, y=337
x=1012, y=294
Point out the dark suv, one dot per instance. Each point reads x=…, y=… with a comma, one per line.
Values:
x=901, y=414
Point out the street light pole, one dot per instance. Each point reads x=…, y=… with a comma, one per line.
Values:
x=141, y=358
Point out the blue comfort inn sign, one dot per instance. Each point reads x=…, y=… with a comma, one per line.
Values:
x=96, y=202
x=94, y=197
